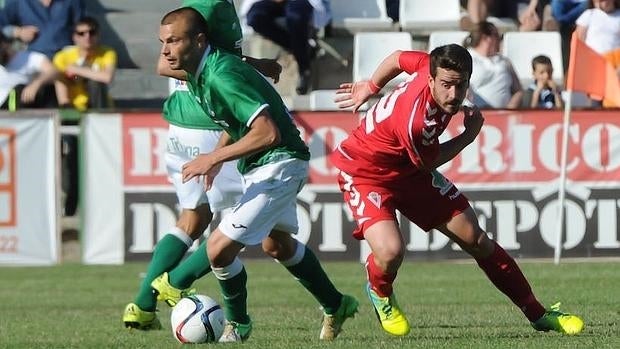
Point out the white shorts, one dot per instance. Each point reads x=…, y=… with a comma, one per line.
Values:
x=269, y=202
x=185, y=144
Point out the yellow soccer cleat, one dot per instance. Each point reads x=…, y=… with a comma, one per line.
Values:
x=168, y=293
x=389, y=314
x=136, y=318
x=555, y=320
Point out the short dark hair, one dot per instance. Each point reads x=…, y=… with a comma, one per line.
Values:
x=196, y=22
x=90, y=21
x=541, y=59
x=452, y=57
x=476, y=33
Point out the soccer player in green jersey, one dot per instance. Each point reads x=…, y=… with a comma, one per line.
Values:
x=190, y=133
x=273, y=160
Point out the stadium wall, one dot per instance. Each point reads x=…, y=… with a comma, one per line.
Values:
x=510, y=174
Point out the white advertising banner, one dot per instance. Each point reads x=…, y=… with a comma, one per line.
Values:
x=102, y=198
x=509, y=174
x=29, y=187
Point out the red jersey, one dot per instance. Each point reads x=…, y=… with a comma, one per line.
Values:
x=399, y=133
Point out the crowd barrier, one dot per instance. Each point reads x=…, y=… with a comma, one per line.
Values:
x=510, y=175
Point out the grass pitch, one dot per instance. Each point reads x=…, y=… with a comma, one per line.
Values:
x=449, y=306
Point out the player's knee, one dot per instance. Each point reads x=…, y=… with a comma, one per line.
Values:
x=389, y=259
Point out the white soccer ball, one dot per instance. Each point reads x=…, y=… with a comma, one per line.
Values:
x=197, y=319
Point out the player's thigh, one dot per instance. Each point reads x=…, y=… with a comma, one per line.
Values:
x=268, y=203
x=467, y=233
x=369, y=203
x=429, y=200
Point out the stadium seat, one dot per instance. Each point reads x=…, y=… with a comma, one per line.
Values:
x=424, y=17
x=360, y=15
x=521, y=47
x=438, y=38
x=369, y=49
x=323, y=100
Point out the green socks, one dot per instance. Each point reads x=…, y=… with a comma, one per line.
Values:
x=168, y=252
x=191, y=269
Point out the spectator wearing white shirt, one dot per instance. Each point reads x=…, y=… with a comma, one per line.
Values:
x=599, y=25
x=493, y=83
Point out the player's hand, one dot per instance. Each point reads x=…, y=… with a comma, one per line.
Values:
x=202, y=165
x=270, y=68
x=472, y=121
x=353, y=94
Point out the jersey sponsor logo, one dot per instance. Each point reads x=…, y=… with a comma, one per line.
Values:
x=440, y=182
x=8, y=185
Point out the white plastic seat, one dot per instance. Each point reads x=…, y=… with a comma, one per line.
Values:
x=522, y=47
x=360, y=15
x=370, y=48
x=323, y=100
x=439, y=38
x=424, y=17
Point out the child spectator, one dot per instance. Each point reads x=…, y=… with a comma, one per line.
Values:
x=543, y=93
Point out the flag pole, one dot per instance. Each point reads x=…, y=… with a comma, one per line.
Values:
x=562, y=187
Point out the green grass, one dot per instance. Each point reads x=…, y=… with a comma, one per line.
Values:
x=449, y=306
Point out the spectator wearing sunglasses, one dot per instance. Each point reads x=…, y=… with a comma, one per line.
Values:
x=86, y=69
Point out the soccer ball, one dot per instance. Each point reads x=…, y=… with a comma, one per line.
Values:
x=197, y=319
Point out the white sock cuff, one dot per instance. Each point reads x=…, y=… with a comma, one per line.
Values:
x=229, y=271
x=300, y=251
x=181, y=235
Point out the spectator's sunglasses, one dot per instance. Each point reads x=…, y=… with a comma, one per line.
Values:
x=90, y=32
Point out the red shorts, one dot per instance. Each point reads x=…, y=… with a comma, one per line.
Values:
x=426, y=199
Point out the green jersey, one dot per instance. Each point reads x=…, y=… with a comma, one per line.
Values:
x=224, y=31
x=181, y=109
x=233, y=94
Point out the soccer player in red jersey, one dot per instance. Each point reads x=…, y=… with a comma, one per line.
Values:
x=389, y=163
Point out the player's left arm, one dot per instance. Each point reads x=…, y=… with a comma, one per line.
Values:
x=472, y=121
x=266, y=66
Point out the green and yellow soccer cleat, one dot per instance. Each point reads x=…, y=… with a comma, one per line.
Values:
x=555, y=320
x=389, y=314
x=136, y=318
x=332, y=323
x=236, y=332
x=168, y=293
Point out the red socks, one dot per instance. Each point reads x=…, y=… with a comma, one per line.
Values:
x=380, y=281
x=505, y=274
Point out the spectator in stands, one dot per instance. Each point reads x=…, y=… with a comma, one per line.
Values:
x=543, y=93
x=87, y=68
x=26, y=78
x=599, y=25
x=301, y=20
x=565, y=13
x=493, y=83
x=43, y=25
x=530, y=15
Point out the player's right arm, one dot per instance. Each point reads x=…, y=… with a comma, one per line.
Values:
x=357, y=93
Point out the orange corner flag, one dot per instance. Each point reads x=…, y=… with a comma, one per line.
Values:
x=589, y=72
